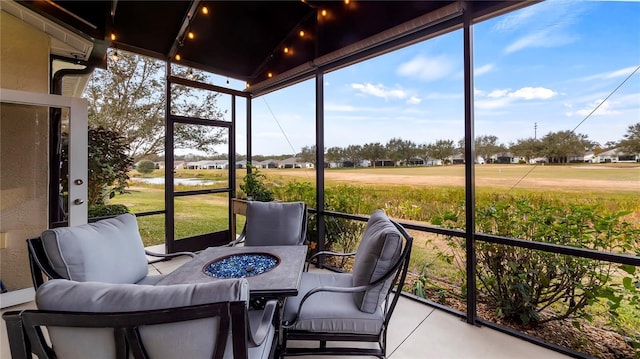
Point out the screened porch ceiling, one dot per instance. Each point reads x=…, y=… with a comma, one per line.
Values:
x=267, y=44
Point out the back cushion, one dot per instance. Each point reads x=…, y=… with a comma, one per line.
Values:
x=379, y=250
x=190, y=339
x=274, y=223
x=109, y=250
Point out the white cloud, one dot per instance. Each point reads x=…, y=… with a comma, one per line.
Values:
x=503, y=97
x=413, y=100
x=547, y=24
x=543, y=38
x=498, y=93
x=483, y=69
x=427, y=68
x=612, y=74
x=380, y=90
x=532, y=93
x=604, y=109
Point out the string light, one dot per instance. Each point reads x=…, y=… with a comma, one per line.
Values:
x=113, y=37
x=205, y=10
x=323, y=12
x=347, y=2
x=178, y=57
x=301, y=33
x=269, y=75
x=191, y=35
x=286, y=50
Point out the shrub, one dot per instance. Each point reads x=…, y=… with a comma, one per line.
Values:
x=108, y=164
x=107, y=210
x=253, y=186
x=523, y=282
x=146, y=167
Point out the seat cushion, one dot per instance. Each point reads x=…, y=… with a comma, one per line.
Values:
x=109, y=250
x=329, y=311
x=274, y=223
x=190, y=339
x=378, y=251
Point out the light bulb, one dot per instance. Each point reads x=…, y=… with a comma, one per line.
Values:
x=113, y=37
x=286, y=50
x=191, y=35
x=269, y=75
x=205, y=10
x=177, y=57
x=301, y=33
x=323, y=12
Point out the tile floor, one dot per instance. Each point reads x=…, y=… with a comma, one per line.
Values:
x=416, y=331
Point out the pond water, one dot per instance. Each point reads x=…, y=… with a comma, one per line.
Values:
x=176, y=181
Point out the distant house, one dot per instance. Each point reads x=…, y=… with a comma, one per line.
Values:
x=208, y=165
x=292, y=162
x=270, y=163
x=612, y=156
x=241, y=164
x=457, y=159
x=416, y=161
x=385, y=163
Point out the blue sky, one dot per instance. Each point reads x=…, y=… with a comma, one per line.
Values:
x=549, y=64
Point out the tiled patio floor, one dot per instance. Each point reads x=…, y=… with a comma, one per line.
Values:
x=416, y=331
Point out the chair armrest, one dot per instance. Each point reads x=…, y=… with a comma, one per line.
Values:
x=240, y=238
x=313, y=291
x=169, y=255
x=257, y=336
x=19, y=345
x=328, y=253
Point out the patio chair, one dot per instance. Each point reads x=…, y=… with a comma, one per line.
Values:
x=109, y=250
x=105, y=320
x=274, y=224
x=351, y=307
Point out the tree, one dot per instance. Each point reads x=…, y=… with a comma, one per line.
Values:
x=308, y=154
x=441, y=149
x=528, y=148
x=108, y=165
x=559, y=146
x=487, y=146
x=334, y=154
x=401, y=150
x=145, y=166
x=354, y=154
x=373, y=152
x=129, y=98
x=630, y=144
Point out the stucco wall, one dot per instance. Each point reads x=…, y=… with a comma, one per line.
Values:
x=24, y=65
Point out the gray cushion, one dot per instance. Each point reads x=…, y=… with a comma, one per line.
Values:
x=109, y=250
x=379, y=250
x=191, y=339
x=341, y=316
x=274, y=223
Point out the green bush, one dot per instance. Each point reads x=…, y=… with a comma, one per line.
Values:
x=254, y=187
x=146, y=167
x=524, y=283
x=107, y=210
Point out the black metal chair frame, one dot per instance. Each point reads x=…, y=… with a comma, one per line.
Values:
x=25, y=334
x=399, y=274
x=41, y=270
